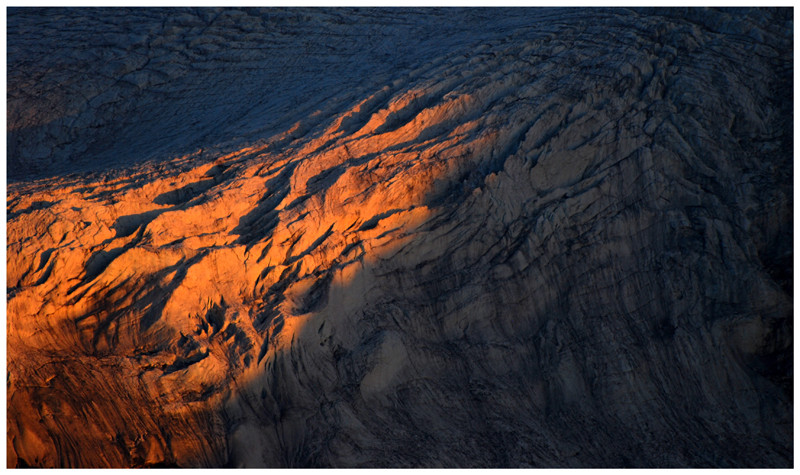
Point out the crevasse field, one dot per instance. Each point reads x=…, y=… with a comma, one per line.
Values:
x=399, y=237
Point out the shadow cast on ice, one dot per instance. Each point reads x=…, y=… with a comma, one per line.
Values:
x=542, y=251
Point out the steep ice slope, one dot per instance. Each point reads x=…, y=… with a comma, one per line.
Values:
x=564, y=242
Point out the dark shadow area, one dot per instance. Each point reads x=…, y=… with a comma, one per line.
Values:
x=373, y=221
x=36, y=205
x=154, y=299
x=403, y=116
x=48, y=271
x=321, y=182
x=292, y=259
x=354, y=122
x=260, y=222
x=184, y=194
x=44, y=259
x=96, y=193
x=127, y=225
x=128, y=115
x=99, y=261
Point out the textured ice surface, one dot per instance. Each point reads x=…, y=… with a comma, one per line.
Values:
x=379, y=238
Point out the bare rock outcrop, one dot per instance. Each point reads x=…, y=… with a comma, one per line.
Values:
x=563, y=240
